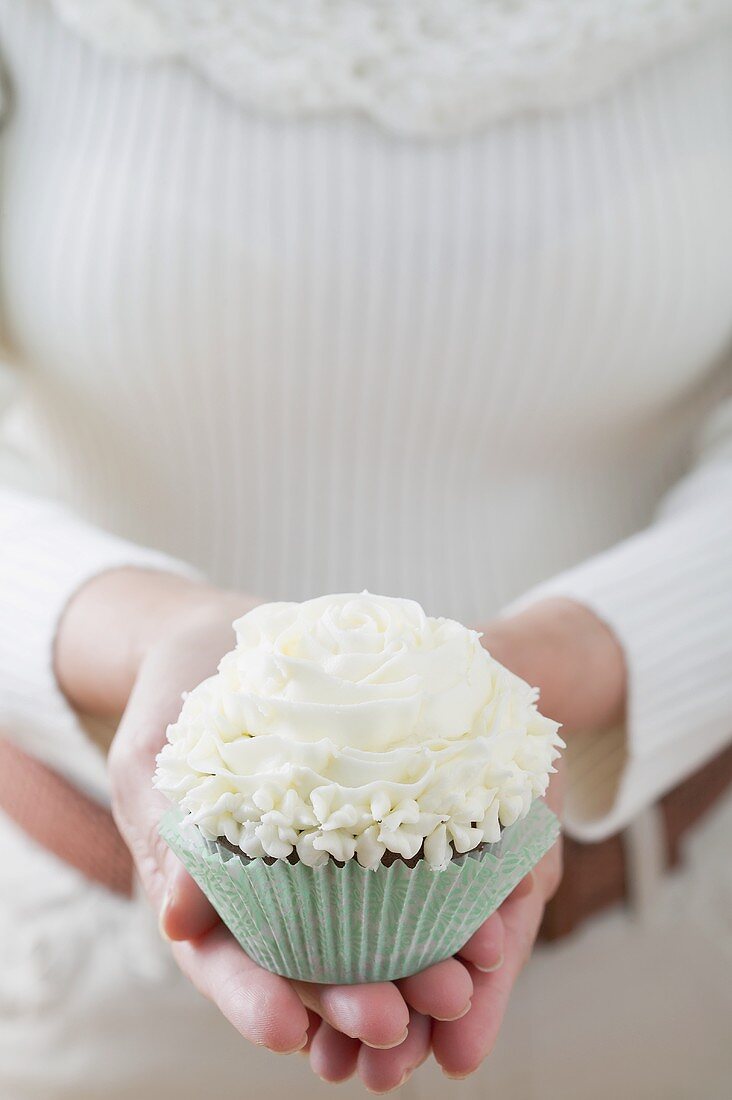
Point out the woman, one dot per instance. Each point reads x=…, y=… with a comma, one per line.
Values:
x=428, y=299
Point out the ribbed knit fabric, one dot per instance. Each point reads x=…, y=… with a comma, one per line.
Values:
x=667, y=593
x=309, y=355
x=47, y=554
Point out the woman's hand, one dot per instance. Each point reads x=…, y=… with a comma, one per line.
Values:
x=493, y=957
x=461, y=1048
x=137, y=640
x=563, y=649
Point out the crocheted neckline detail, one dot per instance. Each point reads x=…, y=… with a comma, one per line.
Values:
x=420, y=67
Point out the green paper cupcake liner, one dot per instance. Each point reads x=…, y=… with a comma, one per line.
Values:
x=345, y=924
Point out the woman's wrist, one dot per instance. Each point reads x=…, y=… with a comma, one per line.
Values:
x=109, y=625
x=117, y=617
x=565, y=650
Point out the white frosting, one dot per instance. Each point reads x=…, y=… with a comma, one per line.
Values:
x=355, y=725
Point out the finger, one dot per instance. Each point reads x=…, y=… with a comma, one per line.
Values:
x=548, y=871
x=314, y=1022
x=521, y=917
x=524, y=887
x=263, y=1007
x=333, y=1055
x=155, y=702
x=442, y=991
x=484, y=949
x=384, y=1070
x=374, y=1013
x=186, y=913
x=461, y=1047
x=137, y=807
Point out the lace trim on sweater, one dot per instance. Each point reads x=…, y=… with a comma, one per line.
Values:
x=422, y=67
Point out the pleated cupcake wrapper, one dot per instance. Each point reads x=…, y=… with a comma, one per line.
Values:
x=345, y=924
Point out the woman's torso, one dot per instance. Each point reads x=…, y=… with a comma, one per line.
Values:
x=310, y=354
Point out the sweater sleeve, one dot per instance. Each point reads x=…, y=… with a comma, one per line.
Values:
x=46, y=554
x=666, y=593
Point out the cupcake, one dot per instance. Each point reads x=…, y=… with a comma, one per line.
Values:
x=358, y=787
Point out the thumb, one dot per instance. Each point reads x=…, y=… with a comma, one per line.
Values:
x=186, y=913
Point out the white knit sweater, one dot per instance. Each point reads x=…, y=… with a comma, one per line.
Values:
x=449, y=336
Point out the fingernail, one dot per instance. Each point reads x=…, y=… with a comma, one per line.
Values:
x=387, y=1046
x=490, y=969
x=337, y=1080
x=451, y=1019
x=456, y=1076
x=295, y=1050
x=392, y=1088
x=163, y=912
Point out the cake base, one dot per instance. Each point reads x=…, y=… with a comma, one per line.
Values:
x=340, y=923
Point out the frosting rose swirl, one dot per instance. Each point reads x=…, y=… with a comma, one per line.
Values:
x=355, y=725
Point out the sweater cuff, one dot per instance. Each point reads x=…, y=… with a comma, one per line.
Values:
x=666, y=594
x=46, y=555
